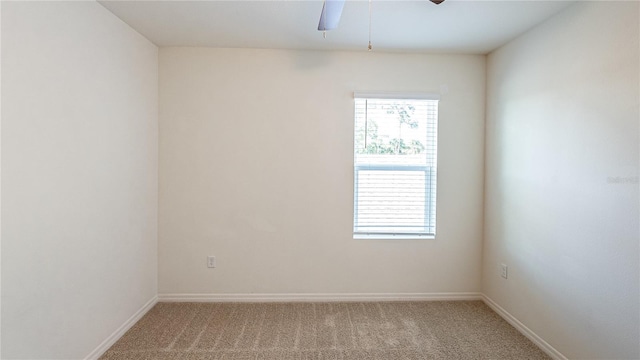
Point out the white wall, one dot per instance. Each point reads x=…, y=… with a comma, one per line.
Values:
x=79, y=167
x=0, y=177
x=256, y=168
x=562, y=180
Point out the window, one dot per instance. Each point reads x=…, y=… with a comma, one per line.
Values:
x=395, y=156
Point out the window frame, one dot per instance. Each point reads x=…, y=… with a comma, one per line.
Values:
x=430, y=170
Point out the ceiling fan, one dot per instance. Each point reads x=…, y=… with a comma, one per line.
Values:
x=332, y=10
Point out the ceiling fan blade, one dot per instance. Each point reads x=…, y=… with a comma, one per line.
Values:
x=437, y=2
x=330, y=16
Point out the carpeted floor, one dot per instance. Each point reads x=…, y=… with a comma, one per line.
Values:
x=323, y=331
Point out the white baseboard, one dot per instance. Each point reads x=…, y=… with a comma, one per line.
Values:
x=545, y=346
x=318, y=297
x=102, y=348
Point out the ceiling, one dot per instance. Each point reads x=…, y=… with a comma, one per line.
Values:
x=455, y=26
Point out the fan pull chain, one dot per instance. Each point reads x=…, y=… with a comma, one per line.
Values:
x=369, y=47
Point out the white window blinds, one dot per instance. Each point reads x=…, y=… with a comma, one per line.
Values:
x=395, y=165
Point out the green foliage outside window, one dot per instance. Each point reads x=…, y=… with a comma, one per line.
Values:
x=371, y=142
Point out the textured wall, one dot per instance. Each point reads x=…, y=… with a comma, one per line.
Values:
x=256, y=168
x=79, y=177
x=562, y=180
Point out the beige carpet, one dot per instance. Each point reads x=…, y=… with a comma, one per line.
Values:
x=323, y=331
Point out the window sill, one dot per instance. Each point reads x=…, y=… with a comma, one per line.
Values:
x=392, y=237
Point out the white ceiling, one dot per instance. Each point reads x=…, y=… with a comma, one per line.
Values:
x=455, y=26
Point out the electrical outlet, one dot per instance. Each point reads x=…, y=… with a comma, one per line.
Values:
x=504, y=269
x=211, y=261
